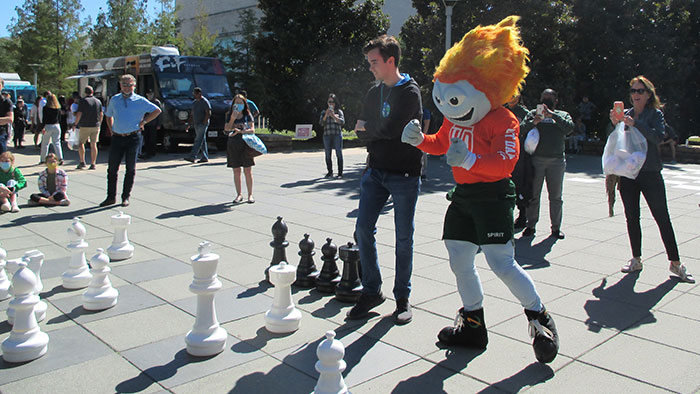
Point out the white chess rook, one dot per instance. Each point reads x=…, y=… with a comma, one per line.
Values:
x=4, y=280
x=34, y=260
x=77, y=276
x=206, y=338
x=100, y=294
x=283, y=317
x=330, y=366
x=120, y=249
x=26, y=341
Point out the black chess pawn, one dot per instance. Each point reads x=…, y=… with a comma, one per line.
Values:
x=350, y=287
x=329, y=277
x=306, y=271
x=279, y=244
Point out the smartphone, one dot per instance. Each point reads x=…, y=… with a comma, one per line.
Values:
x=618, y=111
x=540, y=110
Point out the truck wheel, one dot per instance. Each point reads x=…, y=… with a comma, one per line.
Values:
x=169, y=143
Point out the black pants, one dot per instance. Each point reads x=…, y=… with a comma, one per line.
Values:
x=122, y=147
x=651, y=185
x=149, y=141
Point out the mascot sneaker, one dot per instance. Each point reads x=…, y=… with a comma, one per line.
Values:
x=544, y=333
x=469, y=330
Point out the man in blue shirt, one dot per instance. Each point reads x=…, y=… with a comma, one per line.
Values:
x=127, y=113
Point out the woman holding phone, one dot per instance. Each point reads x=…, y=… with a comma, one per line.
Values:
x=239, y=122
x=332, y=118
x=646, y=116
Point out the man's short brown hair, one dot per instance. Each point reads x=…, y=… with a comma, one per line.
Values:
x=388, y=47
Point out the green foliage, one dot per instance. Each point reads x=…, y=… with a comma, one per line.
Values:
x=310, y=48
x=201, y=43
x=237, y=55
x=9, y=61
x=49, y=33
x=120, y=30
x=163, y=30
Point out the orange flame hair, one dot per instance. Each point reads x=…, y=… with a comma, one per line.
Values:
x=491, y=58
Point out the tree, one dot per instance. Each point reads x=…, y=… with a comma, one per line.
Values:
x=8, y=61
x=163, y=30
x=201, y=43
x=237, y=55
x=310, y=48
x=50, y=33
x=120, y=30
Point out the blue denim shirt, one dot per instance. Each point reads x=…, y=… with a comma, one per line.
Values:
x=128, y=112
x=651, y=124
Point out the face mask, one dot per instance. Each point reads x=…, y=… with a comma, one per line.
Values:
x=239, y=107
x=5, y=165
x=51, y=166
x=549, y=103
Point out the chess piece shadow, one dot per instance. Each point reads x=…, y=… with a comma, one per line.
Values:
x=261, y=339
x=158, y=373
x=431, y=381
x=262, y=287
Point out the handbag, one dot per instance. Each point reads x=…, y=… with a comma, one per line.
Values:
x=251, y=153
x=73, y=141
x=254, y=142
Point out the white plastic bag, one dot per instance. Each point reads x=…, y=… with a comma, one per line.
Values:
x=531, y=141
x=73, y=141
x=625, y=152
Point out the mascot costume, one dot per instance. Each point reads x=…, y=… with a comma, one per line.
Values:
x=480, y=140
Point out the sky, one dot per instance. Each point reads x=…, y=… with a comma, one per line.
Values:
x=92, y=8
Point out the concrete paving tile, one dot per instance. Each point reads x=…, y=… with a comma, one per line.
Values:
x=262, y=375
x=231, y=304
x=366, y=357
x=168, y=363
x=622, y=355
x=149, y=270
x=144, y=326
x=563, y=276
x=61, y=353
x=252, y=332
x=131, y=298
x=106, y=374
x=421, y=377
x=547, y=292
x=496, y=310
x=175, y=287
x=30, y=241
x=670, y=330
x=244, y=269
x=685, y=305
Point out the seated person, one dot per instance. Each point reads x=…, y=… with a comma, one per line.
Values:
x=11, y=182
x=670, y=139
x=53, y=183
x=578, y=135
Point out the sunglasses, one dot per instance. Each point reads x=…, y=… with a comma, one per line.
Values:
x=638, y=91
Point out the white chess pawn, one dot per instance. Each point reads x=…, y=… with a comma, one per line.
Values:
x=330, y=366
x=206, y=338
x=100, y=294
x=32, y=259
x=120, y=249
x=26, y=341
x=283, y=317
x=77, y=276
x=4, y=280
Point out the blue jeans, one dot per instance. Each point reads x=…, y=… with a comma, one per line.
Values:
x=3, y=141
x=331, y=142
x=200, y=141
x=375, y=188
x=122, y=147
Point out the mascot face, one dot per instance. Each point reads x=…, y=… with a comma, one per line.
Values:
x=460, y=102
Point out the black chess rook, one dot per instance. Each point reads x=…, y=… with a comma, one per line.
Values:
x=350, y=287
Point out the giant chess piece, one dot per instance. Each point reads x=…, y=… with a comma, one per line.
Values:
x=78, y=274
x=279, y=244
x=120, y=249
x=329, y=277
x=330, y=366
x=306, y=271
x=206, y=338
x=26, y=341
x=4, y=280
x=33, y=260
x=350, y=287
x=100, y=294
x=283, y=317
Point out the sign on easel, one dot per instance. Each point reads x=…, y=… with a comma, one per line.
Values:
x=303, y=131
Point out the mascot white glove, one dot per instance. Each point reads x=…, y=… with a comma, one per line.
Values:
x=458, y=155
x=412, y=133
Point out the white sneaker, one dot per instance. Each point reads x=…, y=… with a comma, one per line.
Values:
x=15, y=208
x=64, y=203
x=634, y=264
x=5, y=207
x=681, y=272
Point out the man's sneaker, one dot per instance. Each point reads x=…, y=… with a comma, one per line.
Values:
x=520, y=222
x=682, y=274
x=92, y=167
x=5, y=207
x=529, y=232
x=545, y=338
x=469, y=330
x=64, y=203
x=80, y=166
x=366, y=303
x=203, y=161
x=403, y=314
x=190, y=159
x=558, y=234
x=108, y=201
x=329, y=175
x=14, y=208
x=634, y=264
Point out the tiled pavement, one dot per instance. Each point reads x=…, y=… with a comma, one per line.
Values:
x=619, y=333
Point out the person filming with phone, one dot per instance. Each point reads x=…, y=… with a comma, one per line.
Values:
x=332, y=118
